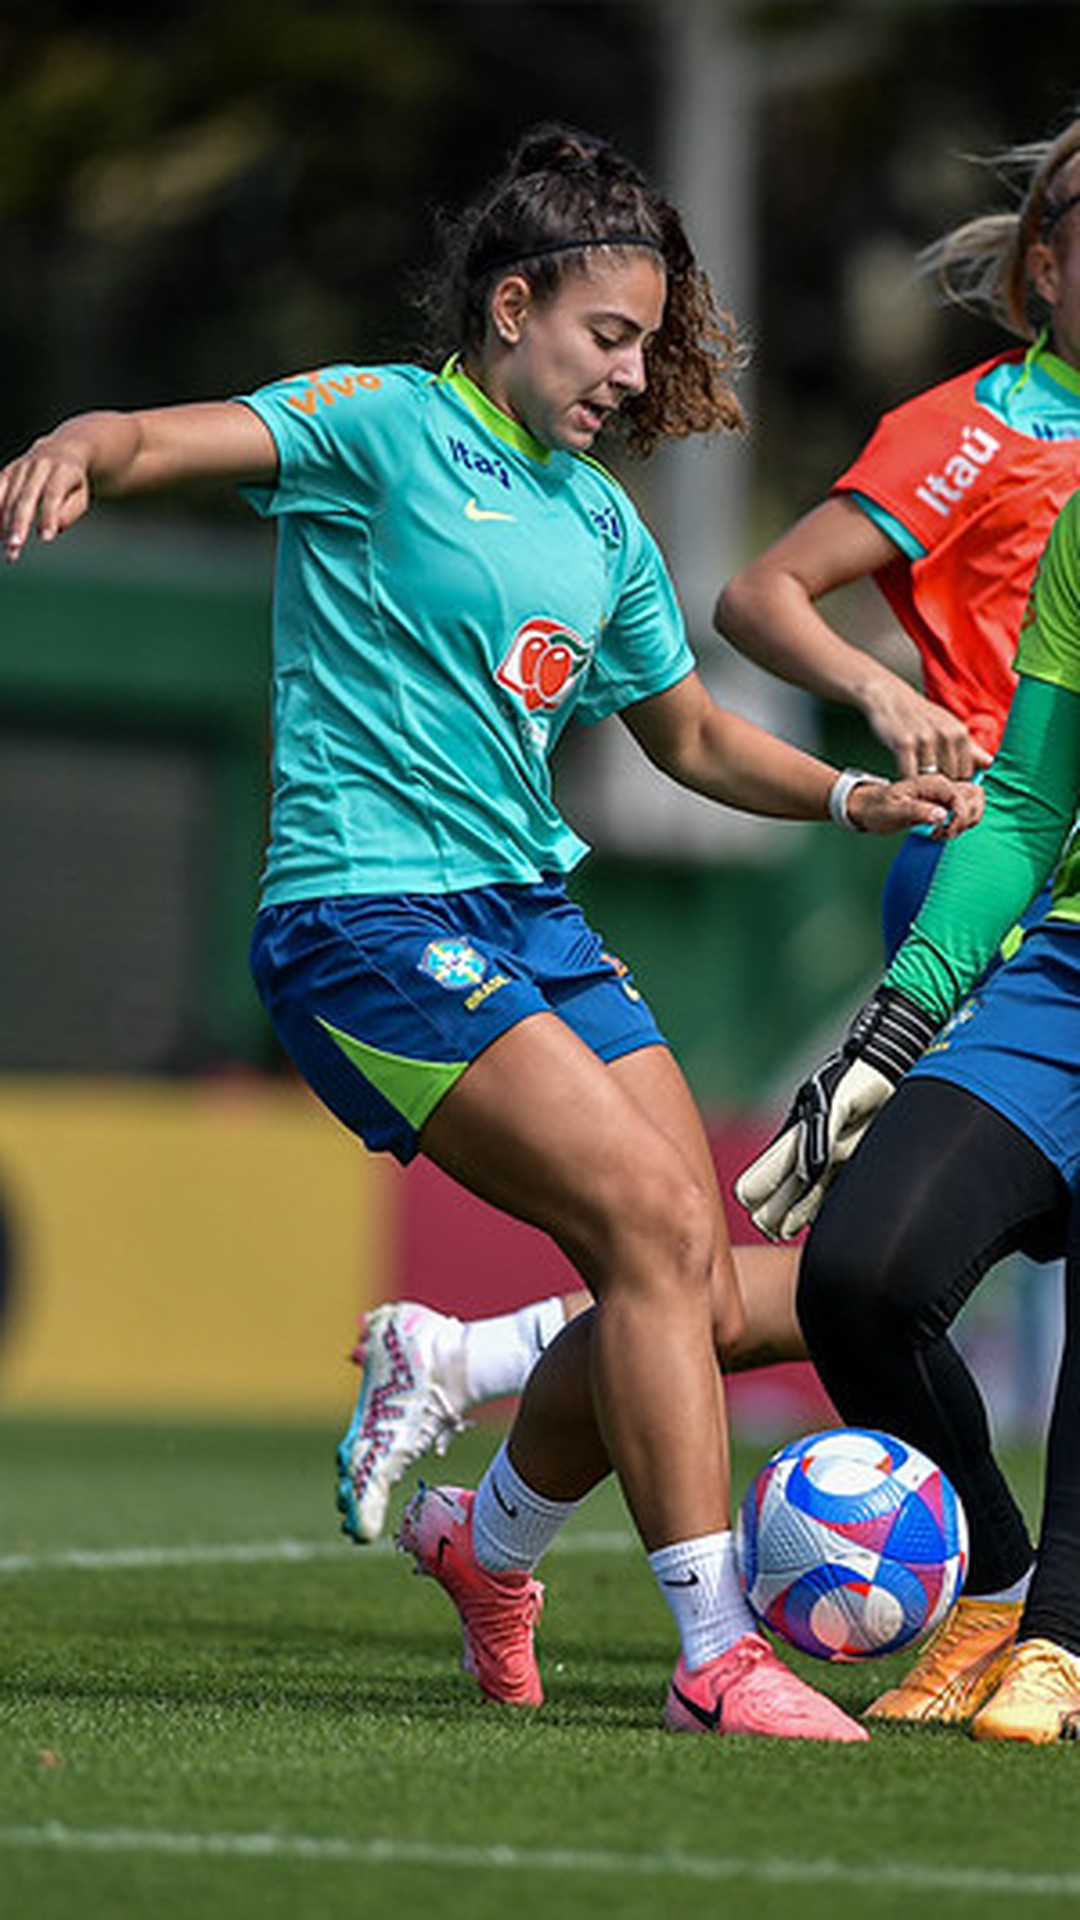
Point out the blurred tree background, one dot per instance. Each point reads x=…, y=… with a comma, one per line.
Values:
x=197, y=195
x=200, y=195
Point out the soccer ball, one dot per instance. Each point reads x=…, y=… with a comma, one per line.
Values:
x=851, y=1544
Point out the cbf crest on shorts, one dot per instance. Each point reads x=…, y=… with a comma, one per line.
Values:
x=454, y=963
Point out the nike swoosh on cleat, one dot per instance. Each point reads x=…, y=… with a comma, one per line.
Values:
x=473, y=511
x=711, y=1717
x=510, y=1511
x=684, y=1580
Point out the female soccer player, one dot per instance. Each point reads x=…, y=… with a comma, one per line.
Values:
x=947, y=507
x=977, y=1154
x=455, y=577
x=951, y=537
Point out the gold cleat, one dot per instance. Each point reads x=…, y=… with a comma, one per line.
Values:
x=1037, y=1699
x=958, y=1668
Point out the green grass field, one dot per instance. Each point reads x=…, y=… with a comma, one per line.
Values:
x=212, y=1705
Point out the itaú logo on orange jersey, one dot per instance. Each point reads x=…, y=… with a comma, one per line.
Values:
x=542, y=662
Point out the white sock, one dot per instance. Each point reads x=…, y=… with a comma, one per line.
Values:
x=500, y=1353
x=698, y=1580
x=512, y=1525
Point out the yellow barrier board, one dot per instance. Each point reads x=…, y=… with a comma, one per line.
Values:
x=184, y=1248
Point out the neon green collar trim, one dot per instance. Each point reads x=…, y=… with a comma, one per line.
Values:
x=1053, y=365
x=453, y=375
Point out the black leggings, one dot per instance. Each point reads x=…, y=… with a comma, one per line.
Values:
x=941, y=1188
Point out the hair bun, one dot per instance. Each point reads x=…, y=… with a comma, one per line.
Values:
x=552, y=148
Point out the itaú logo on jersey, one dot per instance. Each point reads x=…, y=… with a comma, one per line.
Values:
x=941, y=491
x=542, y=662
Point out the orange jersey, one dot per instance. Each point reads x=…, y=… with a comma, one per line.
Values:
x=981, y=499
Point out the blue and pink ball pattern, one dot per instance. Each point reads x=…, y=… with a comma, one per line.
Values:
x=851, y=1544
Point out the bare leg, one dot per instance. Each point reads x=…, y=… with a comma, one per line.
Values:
x=556, y=1443
x=570, y=1452
x=754, y=1316
x=455, y=1365
x=542, y=1128
x=766, y=1333
x=770, y=1332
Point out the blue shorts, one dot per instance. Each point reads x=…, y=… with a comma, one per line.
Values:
x=383, y=1001
x=1016, y=1043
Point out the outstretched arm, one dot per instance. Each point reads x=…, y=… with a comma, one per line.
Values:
x=108, y=455
x=769, y=612
x=727, y=758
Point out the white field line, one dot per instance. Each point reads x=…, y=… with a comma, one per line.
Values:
x=906, y=1876
x=250, y=1553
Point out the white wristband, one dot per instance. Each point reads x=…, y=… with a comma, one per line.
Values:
x=840, y=793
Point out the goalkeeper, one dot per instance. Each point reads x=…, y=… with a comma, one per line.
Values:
x=977, y=1155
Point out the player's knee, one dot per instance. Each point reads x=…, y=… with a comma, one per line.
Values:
x=664, y=1232
x=686, y=1225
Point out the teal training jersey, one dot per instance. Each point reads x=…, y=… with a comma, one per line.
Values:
x=987, y=878
x=448, y=592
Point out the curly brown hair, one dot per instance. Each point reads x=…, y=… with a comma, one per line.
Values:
x=563, y=197
x=983, y=263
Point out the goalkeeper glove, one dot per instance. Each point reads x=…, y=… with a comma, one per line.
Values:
x=783, y=1188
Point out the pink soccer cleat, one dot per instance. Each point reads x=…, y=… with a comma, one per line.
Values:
x=498, y=1611
x=749, y=1690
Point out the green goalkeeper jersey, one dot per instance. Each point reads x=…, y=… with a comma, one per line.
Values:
x=987, y=878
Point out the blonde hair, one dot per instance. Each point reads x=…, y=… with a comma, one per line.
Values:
x=983, y=264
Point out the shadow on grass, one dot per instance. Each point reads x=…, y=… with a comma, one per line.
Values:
x=417, y=1680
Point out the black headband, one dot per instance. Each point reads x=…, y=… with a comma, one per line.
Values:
x=577, y=245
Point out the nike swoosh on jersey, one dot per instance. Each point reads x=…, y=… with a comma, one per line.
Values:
x=473, y=511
